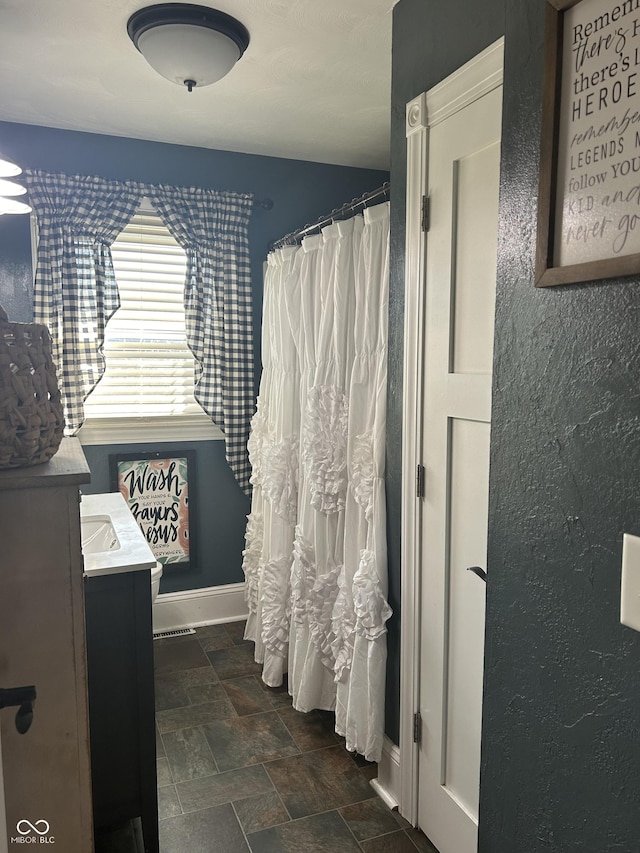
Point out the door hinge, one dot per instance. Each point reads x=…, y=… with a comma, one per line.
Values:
x=417, y=727
x=420, y=481
x=424, y=221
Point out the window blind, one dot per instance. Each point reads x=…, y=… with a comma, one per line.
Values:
x=149, y=367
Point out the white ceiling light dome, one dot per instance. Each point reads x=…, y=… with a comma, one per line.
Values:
x=190, y=45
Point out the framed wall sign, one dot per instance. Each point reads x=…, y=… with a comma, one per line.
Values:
x=589, y=201
x=158, y=488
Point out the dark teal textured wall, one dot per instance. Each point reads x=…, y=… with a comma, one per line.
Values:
x=301, y=191
x=561, y=755
x=561, y=718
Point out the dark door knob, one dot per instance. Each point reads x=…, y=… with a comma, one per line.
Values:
x=23, y=698
x=478, y=571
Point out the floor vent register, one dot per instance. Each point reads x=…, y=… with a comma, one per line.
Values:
x=179, y=632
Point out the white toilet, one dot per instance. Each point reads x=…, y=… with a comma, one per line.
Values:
x=156, y=574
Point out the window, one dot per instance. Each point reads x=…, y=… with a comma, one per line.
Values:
x=146, y=392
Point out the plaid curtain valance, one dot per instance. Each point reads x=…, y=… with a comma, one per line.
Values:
x=76, y=292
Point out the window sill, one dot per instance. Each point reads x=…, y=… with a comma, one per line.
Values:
x=147, y=430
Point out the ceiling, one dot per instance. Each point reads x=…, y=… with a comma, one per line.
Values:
x=314, y=83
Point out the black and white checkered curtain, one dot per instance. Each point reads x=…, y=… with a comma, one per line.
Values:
x=212, y=228
x=75, y=290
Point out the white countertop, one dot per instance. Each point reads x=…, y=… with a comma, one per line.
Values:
x=134, y=553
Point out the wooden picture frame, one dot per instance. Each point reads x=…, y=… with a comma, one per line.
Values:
x=159, y=488
x=589, y=221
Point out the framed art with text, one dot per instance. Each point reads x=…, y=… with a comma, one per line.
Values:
x=158, y=488
x=589, y=199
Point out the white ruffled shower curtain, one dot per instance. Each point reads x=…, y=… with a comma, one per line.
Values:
x=315, y=559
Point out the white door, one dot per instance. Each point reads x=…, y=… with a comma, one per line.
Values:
x=463, y=178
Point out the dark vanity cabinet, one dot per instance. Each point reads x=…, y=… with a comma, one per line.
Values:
x=67, y=637
x=121, y=701
x=47, y=781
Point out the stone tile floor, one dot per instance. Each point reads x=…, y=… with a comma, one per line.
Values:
x=240, y=771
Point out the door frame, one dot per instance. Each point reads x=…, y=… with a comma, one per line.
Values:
x=480, y=75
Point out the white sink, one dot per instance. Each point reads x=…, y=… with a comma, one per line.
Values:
x=112, y=542
x=97, y=534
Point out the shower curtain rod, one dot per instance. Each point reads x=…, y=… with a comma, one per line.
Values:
x=292, y=238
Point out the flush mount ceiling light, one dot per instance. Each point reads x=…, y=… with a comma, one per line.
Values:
x=191, y=45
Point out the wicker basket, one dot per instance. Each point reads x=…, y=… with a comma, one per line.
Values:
x=31, y=417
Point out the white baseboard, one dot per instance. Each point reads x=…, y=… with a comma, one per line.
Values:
x=387, y=785
x=193, y=607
